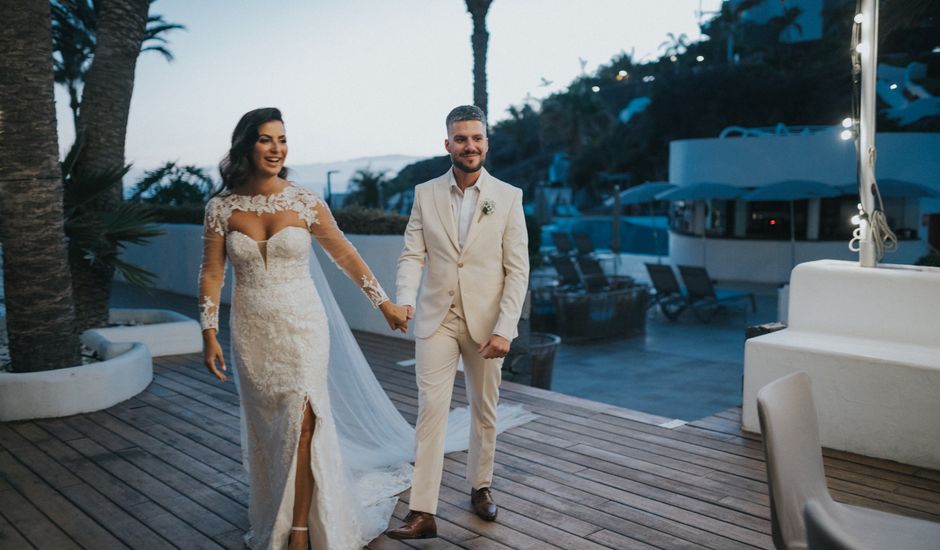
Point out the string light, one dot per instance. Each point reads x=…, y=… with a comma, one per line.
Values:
x=893, y=86
x=847, y=122
x=673, y=58
x=858, y=18
x=595, y=89
x=700, y=58
x=860, y=48
x=846, y=135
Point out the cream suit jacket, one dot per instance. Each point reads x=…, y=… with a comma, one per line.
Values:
x=491, y=271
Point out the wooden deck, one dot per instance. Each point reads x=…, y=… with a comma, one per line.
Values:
x=163, y=470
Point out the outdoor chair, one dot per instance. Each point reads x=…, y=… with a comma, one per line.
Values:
x=795, y=477
x=704, y=299
x=669, y=297
x=568, y=275
x=583, y=243
x=563, y=244
x=592, y=274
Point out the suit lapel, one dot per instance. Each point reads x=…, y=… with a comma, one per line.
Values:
x=444, y=209
x=486, y=190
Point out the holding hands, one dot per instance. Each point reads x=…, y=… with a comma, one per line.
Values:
x=397, y=316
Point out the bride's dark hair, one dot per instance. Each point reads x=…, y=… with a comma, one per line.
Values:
x=236, y=166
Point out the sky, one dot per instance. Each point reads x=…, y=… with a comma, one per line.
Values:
x=359, y=78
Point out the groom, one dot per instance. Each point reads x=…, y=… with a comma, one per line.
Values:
x=469, y=229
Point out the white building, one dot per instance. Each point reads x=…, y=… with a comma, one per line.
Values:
x=750, y=241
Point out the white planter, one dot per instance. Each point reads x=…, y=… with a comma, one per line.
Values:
x=126, y=370
x=163, y=331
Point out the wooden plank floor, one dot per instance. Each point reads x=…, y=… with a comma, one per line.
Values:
x=163, y=470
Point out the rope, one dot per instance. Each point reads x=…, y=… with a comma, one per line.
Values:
x=880, y=233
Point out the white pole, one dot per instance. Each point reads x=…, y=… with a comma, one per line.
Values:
x=868, y=51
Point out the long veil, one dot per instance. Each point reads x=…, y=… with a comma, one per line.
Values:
x=373, y=435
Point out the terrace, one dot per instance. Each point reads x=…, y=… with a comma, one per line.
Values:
x=163, y=470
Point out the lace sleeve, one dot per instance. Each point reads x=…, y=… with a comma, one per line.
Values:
x=323, y=227
x=212, y=269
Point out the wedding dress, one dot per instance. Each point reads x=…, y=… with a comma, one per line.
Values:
x=291, y=346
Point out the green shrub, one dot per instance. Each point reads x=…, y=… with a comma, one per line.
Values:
x=357, y=220
x=354, y=220
x=187, y=213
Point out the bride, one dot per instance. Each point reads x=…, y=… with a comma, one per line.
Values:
x=325, y=449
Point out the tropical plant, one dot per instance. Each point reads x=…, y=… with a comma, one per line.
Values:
x=73, y=40
x=674, y=45
x=97, y=237
x=40, y=316
x=74, y=33
x=571, y=120
x=174, y=185
x=366, y=188
x=479, y=40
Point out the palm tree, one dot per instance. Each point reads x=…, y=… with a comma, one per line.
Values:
x=479, y=40
x=73, y=39
x=74, y=30
x=102, y=128
x=174, y=185
x=674, y=45
x=366, y=188
x=37, y=285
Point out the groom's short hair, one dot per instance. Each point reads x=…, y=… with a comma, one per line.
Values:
x=465, y=112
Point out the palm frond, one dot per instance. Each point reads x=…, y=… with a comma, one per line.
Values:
x=79, y=192
x=129, y=223
x=160, y=50
x=133, y=273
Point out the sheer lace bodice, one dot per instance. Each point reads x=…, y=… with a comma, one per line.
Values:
x=282, y=256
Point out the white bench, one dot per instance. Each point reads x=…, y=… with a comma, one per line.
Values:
x=870, y=340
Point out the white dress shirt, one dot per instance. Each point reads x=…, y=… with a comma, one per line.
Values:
x=464, y=204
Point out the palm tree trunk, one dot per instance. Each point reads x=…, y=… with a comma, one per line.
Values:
x=102, y=127
x=479, y=40
x=37, y=285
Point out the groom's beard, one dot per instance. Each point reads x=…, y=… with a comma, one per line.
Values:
x=463, y=167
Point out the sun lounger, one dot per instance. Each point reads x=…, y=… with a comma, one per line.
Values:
x=669, y=296
x=704, y=299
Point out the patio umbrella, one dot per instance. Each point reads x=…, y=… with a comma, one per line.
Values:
x=897, y=189
x=790, y=191
x=639, y=194
x=703, y=191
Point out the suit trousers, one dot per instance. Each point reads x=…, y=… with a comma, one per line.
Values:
x=435, y=367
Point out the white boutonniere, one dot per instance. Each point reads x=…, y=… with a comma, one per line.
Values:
x=487, y=207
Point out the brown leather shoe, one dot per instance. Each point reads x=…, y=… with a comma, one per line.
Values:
x=483, y=503
x=418, y=525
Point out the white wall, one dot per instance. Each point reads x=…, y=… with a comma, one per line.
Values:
x=381, y=254
x=175, y=258
x=763, y=261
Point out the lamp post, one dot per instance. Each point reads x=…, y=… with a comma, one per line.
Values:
x=868, y=60
x=329, y=187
